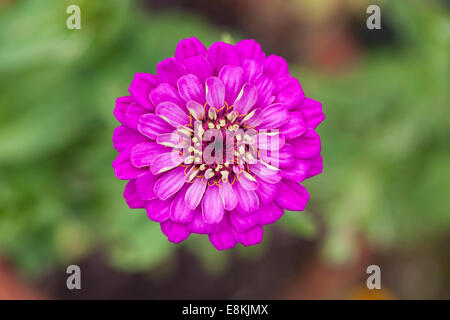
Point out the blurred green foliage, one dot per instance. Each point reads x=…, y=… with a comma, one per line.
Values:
x=59, y=198
x=385, y=139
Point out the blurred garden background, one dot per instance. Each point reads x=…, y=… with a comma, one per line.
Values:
x=383, y=198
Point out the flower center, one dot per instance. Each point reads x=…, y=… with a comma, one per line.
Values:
x=219, y=145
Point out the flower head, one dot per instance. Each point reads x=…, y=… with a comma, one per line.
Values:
x=217, y=142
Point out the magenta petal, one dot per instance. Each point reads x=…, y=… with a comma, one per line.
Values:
x=250, y=237
x=316, y=166
x=223, y=237
x=165, y=93
x=283, y=158
x=143, y=153
x=286, y=156
x=199, y=66
x=223, y=240
x=298, y=171
x=173, y=114
x=169, y=70
x=198, y=225
x=152, y=125
x=246, y=99
x=266, y=173
x=215, y=92
x=195, y=193
x=196, y=109
x=133, y=113
x=254, y=118
x=167, y=185
x=121, y=107
x=244, y=223
x=292, y=196
x=266, y=141
x=131, y=196
x=295, y=127
x=276, y=67
x=233, y=79
x=251, y=49
x=124, y=138
x=173, y=140
x=140, y=89
x=290, y=92
x=165, y=161
x=312, y=111
x=144, y=186
x=212, y=207
x=123, y=168
x=248, y=201
x=228, y=196
x=249, y=184
x=252, y=69
x=175, y=232
x=269, y=213
x=221, y=54
x=265, y=87
x=267, y=192
x=158, y=210
x=190, y=88
x=179, y=211
x=275, y=116
x=308, y=145
x=190, y=47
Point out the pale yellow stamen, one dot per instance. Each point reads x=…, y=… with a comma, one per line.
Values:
x=225, y=174
x=212, y=114
x=192, y=173
x=189, y=160
x=209, y=173
x=232, y=116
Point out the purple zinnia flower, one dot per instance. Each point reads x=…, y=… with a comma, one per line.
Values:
x=217, y=142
